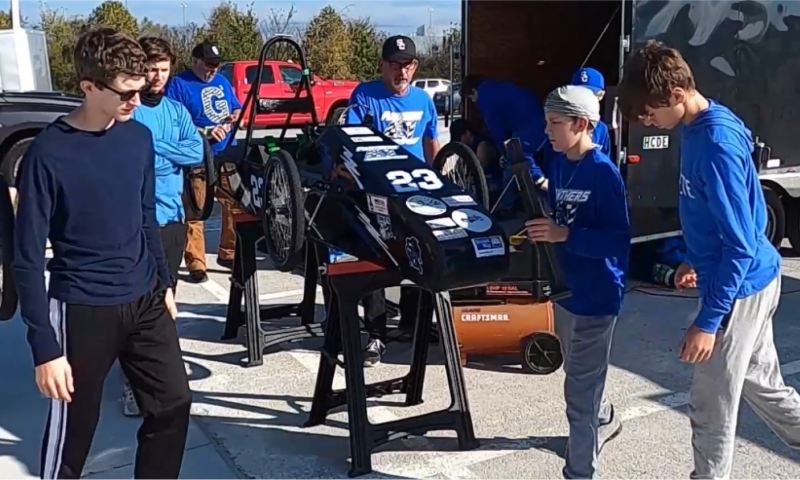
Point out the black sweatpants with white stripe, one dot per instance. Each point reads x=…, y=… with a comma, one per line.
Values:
x=143, y=336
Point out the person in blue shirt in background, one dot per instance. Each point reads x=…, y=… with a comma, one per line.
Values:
x=738, y=271
x=508, y=111
x=593, y=80
x=407, y=115
x=214, y=108
x=176, y=144
x=590, y=227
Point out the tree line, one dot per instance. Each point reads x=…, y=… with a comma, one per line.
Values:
x=336, y=47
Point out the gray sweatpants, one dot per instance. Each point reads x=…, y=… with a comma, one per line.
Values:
x=744, y=364
x=586, y=347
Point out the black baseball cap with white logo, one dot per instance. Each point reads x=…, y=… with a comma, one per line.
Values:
x=399, y=48
x=208, y=51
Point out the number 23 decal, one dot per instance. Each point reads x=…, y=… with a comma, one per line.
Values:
x=404, y=181
x=256, y=187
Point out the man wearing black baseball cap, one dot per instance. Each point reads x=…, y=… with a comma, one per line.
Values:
x=214, y=107
x=405, y=114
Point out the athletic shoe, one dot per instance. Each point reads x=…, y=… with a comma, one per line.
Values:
x=373, y=353
x=198, y=276
x=608, y=431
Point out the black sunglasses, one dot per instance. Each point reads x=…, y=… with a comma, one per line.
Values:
x=128, y=94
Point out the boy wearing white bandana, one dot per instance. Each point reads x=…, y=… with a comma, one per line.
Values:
x=590, y=228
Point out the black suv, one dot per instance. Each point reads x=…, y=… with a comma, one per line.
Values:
x=22, y=117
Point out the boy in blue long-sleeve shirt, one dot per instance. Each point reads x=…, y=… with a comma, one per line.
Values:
x=723, y=216
x=177, y=144
x=590, y=228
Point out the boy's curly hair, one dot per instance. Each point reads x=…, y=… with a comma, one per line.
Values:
x=649, y=76
x=157, y=49
x=103, y=53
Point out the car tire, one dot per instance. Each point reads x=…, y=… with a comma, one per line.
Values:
x=335, y=116
x=11, y=161
x=776, y=217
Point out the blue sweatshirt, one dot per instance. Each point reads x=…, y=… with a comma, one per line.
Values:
x=209, y=103
x=91, y=194
x=406, y=119
x=588, y=196
x=177, y=144
x=600, y=137
x=512, y=111
x=723, y=214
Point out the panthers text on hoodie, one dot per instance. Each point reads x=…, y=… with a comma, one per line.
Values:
x=588, y=196
x=723, y=214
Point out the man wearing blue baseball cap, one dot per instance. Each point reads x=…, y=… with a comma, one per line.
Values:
x=594, y=81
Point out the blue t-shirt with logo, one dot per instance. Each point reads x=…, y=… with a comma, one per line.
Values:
x=406, y=119
x=209, y=103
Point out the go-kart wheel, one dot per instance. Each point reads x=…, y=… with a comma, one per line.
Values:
x=200, y=209
x=461, y=166
x=541, y=353
x=8, y=298
x=283, y=214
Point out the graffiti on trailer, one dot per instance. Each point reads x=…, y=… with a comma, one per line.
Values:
x=745, y=54
x=756, y=16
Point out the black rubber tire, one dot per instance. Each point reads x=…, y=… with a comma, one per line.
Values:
x=776, y=217
x=292, y=201
x=540, y=354
x=333, y=117
x=479, y=190
x=208, y=172
x=792, y=208
x=8, y=298
x=12, y=159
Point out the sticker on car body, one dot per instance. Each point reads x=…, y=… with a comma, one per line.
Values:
x=472, y=220
x=426, y=206
x=488, y=246
x=446, y=234
x=377, y=204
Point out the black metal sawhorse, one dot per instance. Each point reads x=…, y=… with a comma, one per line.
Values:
x=244, y=282
x=348, y=283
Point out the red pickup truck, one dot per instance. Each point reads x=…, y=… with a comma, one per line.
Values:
x=277, y=79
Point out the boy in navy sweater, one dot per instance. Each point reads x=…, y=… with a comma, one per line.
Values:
x=87, y=184
x=723, y=216
x=591, y=229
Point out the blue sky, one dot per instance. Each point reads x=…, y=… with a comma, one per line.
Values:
x=394, y=16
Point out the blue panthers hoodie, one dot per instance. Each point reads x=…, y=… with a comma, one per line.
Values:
x=723, y=214
x=512, y=111
x=588, y=196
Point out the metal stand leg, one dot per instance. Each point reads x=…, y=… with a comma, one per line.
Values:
x=419, y=361
x=323, y=391
x=455, y=375
x=343, y=331
x=360, y=432
x=244, y=282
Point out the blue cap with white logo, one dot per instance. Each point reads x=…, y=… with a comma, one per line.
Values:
x=589, y=78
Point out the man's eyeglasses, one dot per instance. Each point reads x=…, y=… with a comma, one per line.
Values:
x=127, y=95
x=211, y=65
x=403, y=66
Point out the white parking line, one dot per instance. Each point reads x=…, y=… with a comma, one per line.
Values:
x=459, y=460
